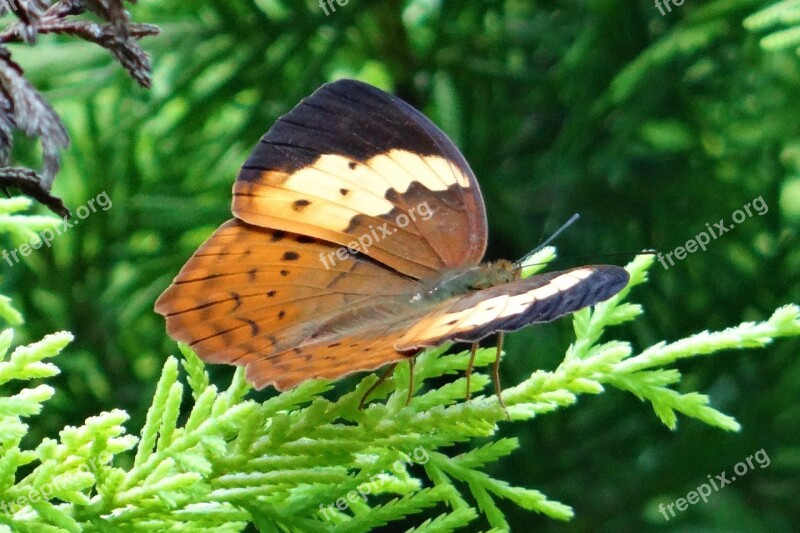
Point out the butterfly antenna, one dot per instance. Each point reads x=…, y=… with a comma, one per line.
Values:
x=518, y=264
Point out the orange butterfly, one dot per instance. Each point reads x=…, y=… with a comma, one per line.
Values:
x=357, y=239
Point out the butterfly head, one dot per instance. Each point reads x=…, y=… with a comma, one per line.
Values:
x=497, y=273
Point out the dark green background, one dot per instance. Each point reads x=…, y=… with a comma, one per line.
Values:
x=649, y=126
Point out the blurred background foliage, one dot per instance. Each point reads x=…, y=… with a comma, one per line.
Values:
x=648, y=125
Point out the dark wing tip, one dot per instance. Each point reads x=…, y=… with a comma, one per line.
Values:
x=611, y=279
x=352, y=119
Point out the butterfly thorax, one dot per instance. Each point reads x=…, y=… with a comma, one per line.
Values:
x=462, y=281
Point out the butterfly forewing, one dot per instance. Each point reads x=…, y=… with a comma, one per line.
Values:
x=351, y=164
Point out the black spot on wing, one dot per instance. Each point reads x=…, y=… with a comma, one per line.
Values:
x=254, y=329
x=299, y=205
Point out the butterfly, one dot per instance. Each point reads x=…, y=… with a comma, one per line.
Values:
x=356, y=242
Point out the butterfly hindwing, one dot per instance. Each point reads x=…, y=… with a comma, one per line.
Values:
x=352, y=164
x=378, y=340
x=331, y=359
x=251, y=292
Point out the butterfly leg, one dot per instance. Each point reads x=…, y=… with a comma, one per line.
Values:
x=375, y=385
x=411, y=361
x=496, y=372
x=469, y=367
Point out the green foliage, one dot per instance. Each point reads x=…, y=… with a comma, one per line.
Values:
x=21, y=228
x=303, y=462
x=649, y=126
x=783, y=19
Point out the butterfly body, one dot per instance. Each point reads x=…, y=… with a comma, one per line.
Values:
x=357, y=239
x=458, y=282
